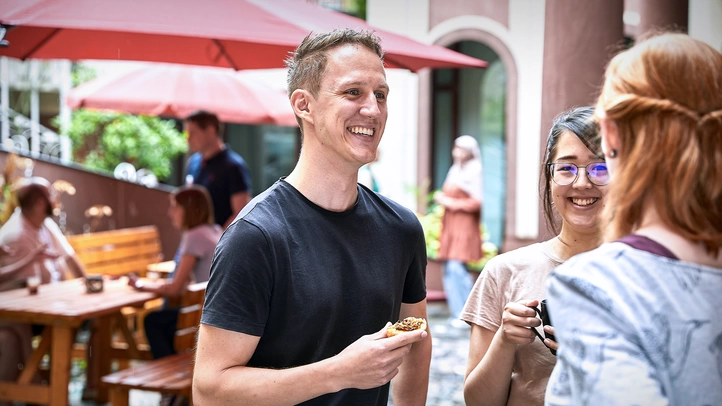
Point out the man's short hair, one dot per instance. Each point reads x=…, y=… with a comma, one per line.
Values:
x=307, y=64
x=29, y=190
x=205, y=119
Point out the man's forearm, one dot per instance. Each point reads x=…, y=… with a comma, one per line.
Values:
x=257, y=386
x=76, y=267
x=411, y=385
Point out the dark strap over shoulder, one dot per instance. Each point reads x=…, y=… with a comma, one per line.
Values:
x=643, y=243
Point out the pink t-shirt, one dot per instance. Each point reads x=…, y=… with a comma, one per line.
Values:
x=516, y=275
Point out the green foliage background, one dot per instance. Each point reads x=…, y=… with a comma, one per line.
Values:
x=431, y=223
x=102, y=140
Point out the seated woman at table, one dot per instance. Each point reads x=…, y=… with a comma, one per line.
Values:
x=191, y=212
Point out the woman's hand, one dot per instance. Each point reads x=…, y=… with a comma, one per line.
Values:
x=440, y=198
x=42, y=253
x=549, y=342
x=134, y=282
x=517, y=322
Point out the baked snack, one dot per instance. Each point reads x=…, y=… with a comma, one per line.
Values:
x=406, y=325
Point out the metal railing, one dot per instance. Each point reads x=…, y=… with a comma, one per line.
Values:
x=48, y=144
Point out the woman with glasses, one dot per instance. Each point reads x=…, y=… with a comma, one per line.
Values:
x=507, y=365
x=639, y=319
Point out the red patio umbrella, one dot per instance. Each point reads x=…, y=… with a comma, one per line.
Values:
x=160, y=89
x=239, y=34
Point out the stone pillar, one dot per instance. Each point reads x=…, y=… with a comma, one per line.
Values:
x=424, y=140
x=663, y=15
x=579, y=40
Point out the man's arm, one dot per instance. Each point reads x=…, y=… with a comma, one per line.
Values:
x=221, y=378
x=238, y=202
x=10, y=270
x=76, y=267
x=411, y=385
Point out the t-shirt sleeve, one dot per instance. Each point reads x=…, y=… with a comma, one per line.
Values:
x=238, y=180
x=415, y=284
x=484, y=306
x=239, y=289
x=598, y=360
x=192, y=244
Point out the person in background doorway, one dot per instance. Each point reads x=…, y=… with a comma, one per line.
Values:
x=460, y=240
x=215, y=166
x=507, y=365
x=638, y=319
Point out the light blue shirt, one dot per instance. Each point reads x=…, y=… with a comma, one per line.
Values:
x=635, y=328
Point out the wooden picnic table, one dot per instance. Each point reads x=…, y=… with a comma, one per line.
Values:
x=63, y=307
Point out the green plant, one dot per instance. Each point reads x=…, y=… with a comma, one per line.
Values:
x=10, y=174
x=102, y=140
x=431, y=223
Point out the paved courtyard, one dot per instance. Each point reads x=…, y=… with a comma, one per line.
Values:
x=448, y=363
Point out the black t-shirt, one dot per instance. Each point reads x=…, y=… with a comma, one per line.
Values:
x=310, y=282
x=224, y=175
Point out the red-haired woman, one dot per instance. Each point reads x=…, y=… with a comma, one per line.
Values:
x=638, y=319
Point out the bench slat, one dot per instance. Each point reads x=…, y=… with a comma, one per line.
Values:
x=148, y=369
x=121, y=236
x=118, y=252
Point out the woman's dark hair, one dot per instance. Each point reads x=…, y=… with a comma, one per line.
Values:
x=196, y=204
x=580, y=122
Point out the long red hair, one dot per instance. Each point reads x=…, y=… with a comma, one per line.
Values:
x=665, y=97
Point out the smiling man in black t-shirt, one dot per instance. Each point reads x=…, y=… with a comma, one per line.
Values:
x=305, y=281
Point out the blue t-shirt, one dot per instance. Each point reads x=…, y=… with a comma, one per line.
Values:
x=224, y=175
x=635, y=328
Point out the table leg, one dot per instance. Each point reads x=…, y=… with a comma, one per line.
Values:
x=60, y=365
x=102, y=361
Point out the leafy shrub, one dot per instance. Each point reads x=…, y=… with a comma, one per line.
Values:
x=102, y=140
x=431, y=223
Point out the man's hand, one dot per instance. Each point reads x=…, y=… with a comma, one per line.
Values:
x=373, y=360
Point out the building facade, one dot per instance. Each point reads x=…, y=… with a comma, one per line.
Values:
x=545, y=56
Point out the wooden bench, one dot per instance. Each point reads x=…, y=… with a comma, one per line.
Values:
x=118, y=252
x=169, y=375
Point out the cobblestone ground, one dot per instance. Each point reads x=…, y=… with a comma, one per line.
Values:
x=446, y=378
x=448, y=359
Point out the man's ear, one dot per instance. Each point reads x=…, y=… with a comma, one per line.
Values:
x=301, y=102
x=610, y=137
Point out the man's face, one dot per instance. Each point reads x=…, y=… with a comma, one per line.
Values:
x=351, y=111
x=198, y=138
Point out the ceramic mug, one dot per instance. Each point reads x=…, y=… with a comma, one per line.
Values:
x=94, y=283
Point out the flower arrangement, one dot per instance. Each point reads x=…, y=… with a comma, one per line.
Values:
x=431, y=223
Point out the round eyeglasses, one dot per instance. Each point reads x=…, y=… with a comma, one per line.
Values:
x=566, y=173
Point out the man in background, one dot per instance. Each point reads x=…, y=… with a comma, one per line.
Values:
x=304, y=283
x=223, y=172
